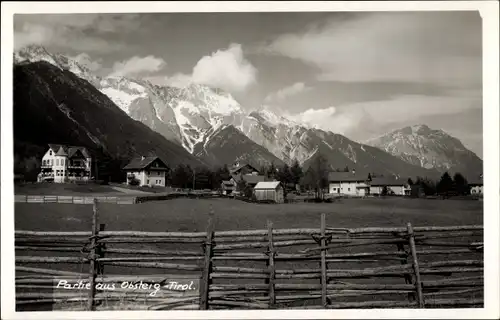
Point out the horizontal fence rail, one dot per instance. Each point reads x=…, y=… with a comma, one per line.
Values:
x=327, y=267
x=112, y=199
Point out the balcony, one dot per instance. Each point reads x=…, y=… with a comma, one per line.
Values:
x=46, y=166
x=71, y=166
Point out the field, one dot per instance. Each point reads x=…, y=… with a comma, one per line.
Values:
x=64, y=189
x=191, y=215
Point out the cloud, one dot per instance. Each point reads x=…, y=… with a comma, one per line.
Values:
x=137, y=65
x=81, y=32
x=85, y=60
x=286, y=92
x=358, y=120
x=443, y=48
x=178, y=80
x=329, y=119
x=225, y=69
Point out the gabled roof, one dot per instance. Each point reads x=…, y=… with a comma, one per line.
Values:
x=140, y=163
x=346, y=177
x=63, y=150
x=252, y=179
x=266, y=185
x=387, y=181
x=240, y=166
x=74, y=152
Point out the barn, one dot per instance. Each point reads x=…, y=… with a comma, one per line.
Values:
x=269, y=191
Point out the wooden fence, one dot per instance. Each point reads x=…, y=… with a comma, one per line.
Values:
x=328, y=267
x=112, y=199
x=73, y=199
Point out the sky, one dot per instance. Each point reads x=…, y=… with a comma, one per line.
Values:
x=361, y=74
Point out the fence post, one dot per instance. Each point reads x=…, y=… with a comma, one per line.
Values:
x=407, y=276
x=271, y=267
x=418, y=282
x=93, y=251
x=207, y=267
x=324, y=279
x=101, y=250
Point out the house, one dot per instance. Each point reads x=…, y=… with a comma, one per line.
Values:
x=251, y=180
x=269, y=191
x=348, y=183
x=150, y=171
x=62, y=164
x=394, y=186
x=476, y=186
x=227, y=187
x=245, y=172
x=242, y=169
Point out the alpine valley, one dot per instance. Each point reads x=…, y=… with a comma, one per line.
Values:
x=210, y=126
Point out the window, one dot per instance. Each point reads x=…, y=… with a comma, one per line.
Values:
x=348, y=189
x=62, y=162
x=147, y=181
x=50, y=152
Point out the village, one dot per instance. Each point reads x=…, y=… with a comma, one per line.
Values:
x=74, y=164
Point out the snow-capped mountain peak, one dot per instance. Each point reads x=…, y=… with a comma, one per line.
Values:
x=203, y=119
x=428, y=148
x=33, y=53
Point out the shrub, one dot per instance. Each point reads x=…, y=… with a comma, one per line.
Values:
x=133, y=181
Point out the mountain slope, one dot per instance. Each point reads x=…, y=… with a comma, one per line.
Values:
x=196, y=117
x=288, y=140
x=55, y=106
x=430, y=148
x=228, y=144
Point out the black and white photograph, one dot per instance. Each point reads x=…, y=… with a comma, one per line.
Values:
x=258, y=160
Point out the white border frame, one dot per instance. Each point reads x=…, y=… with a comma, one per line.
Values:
x=489, y=13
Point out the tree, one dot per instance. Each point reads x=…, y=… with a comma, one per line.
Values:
x=410, y=182
x=369, y=177
x=133, y=181
x=242, y=187
x=317, y=175
x=445, y=185
x=426, y=185
x=263, y=170
x=221, y=174
x=181, y=176
x=296, y=172
x=285, y=174
x=271, y=171
x=384, y=191
x=461, y=184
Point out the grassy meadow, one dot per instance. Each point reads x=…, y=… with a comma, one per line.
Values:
x=190, y=215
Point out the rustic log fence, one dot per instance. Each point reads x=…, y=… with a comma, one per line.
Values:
x=327, y=267
x=112, y=199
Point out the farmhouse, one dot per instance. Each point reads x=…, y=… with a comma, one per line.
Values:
x=392, y=185
x=150, y=171
x=62, y=164
x=348, y=183
x=242, y=169
x=476, y=186
x=269, y=191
